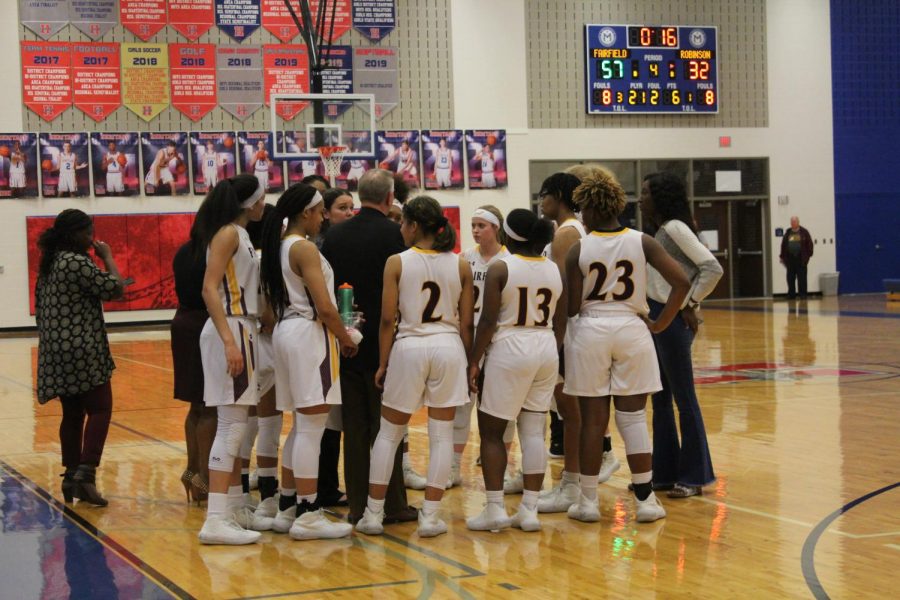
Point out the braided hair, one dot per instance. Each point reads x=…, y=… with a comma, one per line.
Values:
x=62, y=237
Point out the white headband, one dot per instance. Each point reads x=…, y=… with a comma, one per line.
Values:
x=254, y=198
x=316, y=200
x=512, y=233
x=486, y=215
x=396, y=204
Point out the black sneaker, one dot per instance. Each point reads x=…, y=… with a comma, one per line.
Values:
x=556, y=450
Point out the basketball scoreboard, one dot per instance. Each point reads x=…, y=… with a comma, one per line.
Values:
x=651, y=69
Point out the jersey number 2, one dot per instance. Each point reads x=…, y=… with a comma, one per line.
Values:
x=624, y=278
x=434, y=296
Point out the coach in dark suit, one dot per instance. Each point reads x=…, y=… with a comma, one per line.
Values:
x=358, y=250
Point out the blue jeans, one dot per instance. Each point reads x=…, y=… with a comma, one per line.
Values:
x=687, y=462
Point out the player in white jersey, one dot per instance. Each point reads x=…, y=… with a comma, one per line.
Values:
x=443, y=164
x=406, y=160
x=357, y=170
x=17, y=160
x=209, y=165
x=68, y=165
x=609, y=349
x=486, y=156
x=521, y=328
x=309, y=168
x=227, y=349
x=308, y=339
x=113, y=168
x=160, y=171
x=262, y=164
x=430, y=289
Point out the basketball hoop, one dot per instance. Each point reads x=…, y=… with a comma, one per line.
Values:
x=331, y=159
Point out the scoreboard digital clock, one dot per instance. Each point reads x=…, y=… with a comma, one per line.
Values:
x=644, y=69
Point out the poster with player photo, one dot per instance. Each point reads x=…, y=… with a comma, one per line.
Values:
x=214, y=159
x=18, y=165
x=354, y=167
x=257, y=156
x=64, y=165
x=295, y=141
x=486, y=153
x=398, y=151
x=165, y=166
x=114, y=161
x=442, y=157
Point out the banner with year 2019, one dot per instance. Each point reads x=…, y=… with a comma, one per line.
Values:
x=96, y=78
x=191, y=18
x=44, y=17
x=286, y=70
x=145, y=79
x=143, y=18
x=193, y=76
x=94, y=18
x=375, y=72
x=239, y=70
x=47, y=78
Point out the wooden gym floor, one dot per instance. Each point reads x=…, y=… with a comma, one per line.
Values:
x=801, y=406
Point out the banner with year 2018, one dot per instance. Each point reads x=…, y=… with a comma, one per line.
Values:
x=97, y=81
x=375, y=72
x=239, y=70
x=286, y=69
x=47, y=78
x=94, y=18
x=18, y=165
x=145, y=79
x=143, y=18
x=191, y=18
x=238, y=18
x=44, y=17
x=374, y=18
x=193, y=76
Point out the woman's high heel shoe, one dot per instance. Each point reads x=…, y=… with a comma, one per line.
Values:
x=85, y=485
x=68, y=485
x=186, y=479
x=199, y=489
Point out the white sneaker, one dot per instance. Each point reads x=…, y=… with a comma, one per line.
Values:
x=371, y=523
x=251, y=501
x=513, y=484
x=559, y=498
x=314, y=525
x=413, y=480
x=268, y=508
x=526, y=519
x=492, y=518
x=455, y=477
x=609, y=465
x=284, y=519
x=650, y=509
x=430, y=525
x=246, y=518
x=585, y=510
x=254, y=480
x=224, y=530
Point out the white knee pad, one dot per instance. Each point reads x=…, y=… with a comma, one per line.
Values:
x=230, y=431
x=287, y=453
x=633, y=429
x=306, y=445
x=531, y=438
x=509, y=434
x=440, y=452
x=252, y=427
x=335, y=420
x=462, y=422
x=383, y=451
x=269, y=434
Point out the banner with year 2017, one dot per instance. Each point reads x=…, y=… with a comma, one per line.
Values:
x=47, y=78
x=239, y=70
x=44, y=17
x=18, y=165
x=143, y=18
x=238, y=18
x=114, y=158
x=94, y=18
x=145, y=79
x=191, y=18
x=375, y=72
x=374, y=18
x=286, y=68
x=192, y=70
x=96, y=78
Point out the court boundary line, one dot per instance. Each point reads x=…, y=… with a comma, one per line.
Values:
x=804, y=311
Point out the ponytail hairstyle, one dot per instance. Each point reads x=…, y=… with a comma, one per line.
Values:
x=537, y=232
x=603, y=194
x=670, y=199
x=221, y=206
x=291, y=203
x=427, y=213
x=501, y=233
x=62, y=237
x=561, y=186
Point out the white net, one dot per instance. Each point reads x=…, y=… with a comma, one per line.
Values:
x=331, y=159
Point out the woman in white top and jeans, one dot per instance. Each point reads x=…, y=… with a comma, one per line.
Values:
x=685, y=467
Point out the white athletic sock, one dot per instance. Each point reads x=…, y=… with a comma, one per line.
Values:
x=638, y=478
x=457, y=459
x=589, y=486
x=530, y=499
x=235, y=497
x=494, y=496
x=216, y=505
x=429, y=507
x=376, y=506
x=288, y=492
x=267, y=471
x=570, y=478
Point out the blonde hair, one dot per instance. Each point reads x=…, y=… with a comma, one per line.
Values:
x=602, y=193
x=501, y=234
x=586, y=170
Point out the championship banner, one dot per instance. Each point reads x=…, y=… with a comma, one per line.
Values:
x=338, y=78
x=44, y=17
x=165, y=167
x=64, y=162
x=18, y=165
x=374, y=18
x=286, y=69
x=336, y=27
x=214, y=159
x=145, y=79
x=191, y=18
x=193, y=76
x=239, y=70
x=486, y=153
x=47, y=78
x=143, y=18
x=398, y=152
x=238, y=18
x=97, y=81
x=277, y=20
x=375, y=72
x=94, y=18
x=256, y=152
x=295, y=141
x=352, y=169
x=114, y=162
x=442, y=155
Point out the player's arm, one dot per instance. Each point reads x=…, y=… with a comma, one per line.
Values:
x=494, y=282
x=390, y=302
x=574, y=280
x=674, y=275
x=466, y=305
x=105, y=162
x=559, y=247
x=222, y=247
x=305, y=262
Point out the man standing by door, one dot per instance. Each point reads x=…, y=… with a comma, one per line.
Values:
x=796, y=250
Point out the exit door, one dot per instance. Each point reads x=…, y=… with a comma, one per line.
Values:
x=733, y=231
x=714, y=229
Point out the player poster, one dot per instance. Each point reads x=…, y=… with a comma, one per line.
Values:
x=257, y=156
x=286, y=71
x=486, y=153
x=18, y=165
x=114, y=161
x=64, y=165
x=295, y=141
x=214, y=159
x=442, y=159
x=398, y=151
x=375, y=71
x=165, y=166
x=338, y=78
x=44, y=17
x=96, y=79
x=143, y=18
x=191, y=18
x=374, y=18
x=238, y=18
x=277, y=20
x=94, y=18
x=353, y=168
x=145, y=79
x=47, y=78
x=239, y=70
x=193, y=77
